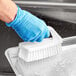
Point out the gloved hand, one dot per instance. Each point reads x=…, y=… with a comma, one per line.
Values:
x=29, y=27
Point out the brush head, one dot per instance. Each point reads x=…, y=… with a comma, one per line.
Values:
x=29, y=51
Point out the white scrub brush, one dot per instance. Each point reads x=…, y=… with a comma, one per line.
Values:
x=29, y=51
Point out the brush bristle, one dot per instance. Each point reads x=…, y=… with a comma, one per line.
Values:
x=38, y=50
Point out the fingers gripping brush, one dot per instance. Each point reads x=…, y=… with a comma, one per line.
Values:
x=29, y=51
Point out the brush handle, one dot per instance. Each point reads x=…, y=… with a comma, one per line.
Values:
x=54, y=34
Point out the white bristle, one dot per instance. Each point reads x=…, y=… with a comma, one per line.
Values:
x=29, y=51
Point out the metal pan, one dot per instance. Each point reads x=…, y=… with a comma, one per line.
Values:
x=62, y=64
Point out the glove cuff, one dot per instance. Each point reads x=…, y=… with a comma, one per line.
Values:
x=11, y=23
x=18, y=18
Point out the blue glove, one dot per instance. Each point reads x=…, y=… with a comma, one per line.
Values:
x=29, y=27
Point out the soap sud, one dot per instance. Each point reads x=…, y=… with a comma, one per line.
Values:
x=63, y=64
x=67, y=64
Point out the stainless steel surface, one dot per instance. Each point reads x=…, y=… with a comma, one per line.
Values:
x=35, y=0
x=37, y=4
x=7, y=74
x=69, y=41
x=69, y=1
x=60, y=9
